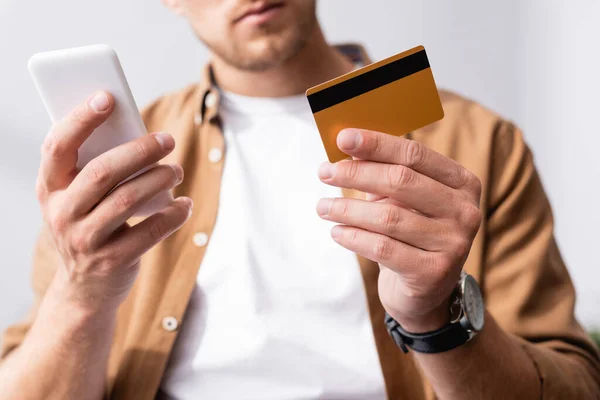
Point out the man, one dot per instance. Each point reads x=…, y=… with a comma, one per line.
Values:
x=278, y=309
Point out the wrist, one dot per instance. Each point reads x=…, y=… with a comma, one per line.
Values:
x=427, y=322
x=63, y=324
x=63, y=302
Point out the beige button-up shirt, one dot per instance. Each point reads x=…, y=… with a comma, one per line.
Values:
x=514, y=256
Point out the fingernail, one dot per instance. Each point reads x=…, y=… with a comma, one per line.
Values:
x=323, y=207
x=349, y=139
x=326, y=170
x=165, y=140
x=336, y=232
x=178, y=172
x=99, y=102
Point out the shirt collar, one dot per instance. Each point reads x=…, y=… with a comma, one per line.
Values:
x=209, y=92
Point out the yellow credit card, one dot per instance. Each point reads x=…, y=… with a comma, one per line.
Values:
x=396, y=96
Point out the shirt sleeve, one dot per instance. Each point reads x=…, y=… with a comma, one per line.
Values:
x=526, y=284
x=45, y=263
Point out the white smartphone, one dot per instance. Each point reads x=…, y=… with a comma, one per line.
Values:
x=66, y=78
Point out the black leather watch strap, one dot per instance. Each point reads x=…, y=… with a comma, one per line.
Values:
x=438, y=341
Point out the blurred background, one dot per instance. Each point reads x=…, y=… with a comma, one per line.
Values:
x=535, y=62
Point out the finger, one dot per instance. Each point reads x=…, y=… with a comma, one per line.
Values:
x=384, y=148
x=59, y=151
x=106, y=171
x=127, y=199
x=137, y=240
x=400, y=257
x=409, y=187
x=387, y=219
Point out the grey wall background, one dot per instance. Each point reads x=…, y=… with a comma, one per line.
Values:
x=535, y=62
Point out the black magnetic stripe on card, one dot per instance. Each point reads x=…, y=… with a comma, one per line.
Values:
x=368, y=81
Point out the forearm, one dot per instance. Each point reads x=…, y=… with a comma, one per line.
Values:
x=492, y=365
x=64, y=356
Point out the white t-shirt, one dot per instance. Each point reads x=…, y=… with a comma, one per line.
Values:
x=279, y=310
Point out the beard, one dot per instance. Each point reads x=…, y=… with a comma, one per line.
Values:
x=270, y=46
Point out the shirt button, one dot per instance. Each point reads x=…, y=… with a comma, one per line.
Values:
x=215, y=155
x=200, y=239
x=170, y=324
x=210, y=100
x=198, y=119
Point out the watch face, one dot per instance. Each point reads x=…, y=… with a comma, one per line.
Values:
x=473, y=303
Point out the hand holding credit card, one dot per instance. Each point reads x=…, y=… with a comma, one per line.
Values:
x=420, y=211
x=396, y=96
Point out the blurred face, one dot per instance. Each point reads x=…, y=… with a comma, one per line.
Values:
x=251, y=34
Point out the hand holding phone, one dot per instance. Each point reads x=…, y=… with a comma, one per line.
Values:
x=98, y=169
x=65, y=78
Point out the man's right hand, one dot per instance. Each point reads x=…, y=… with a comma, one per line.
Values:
x=100, y=250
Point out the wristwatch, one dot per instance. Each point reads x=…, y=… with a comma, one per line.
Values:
x=467, y=318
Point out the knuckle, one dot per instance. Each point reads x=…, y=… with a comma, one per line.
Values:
x=354, y=236
x=471, y=217
x=53, y=147
x=85, y=238
x=80, y=115
x=340, y=207
x=378, y=143
x=98, y=172
x=414, y=154
x=462, y=246
x=352, y=170
x=471, y=182
x=383, y=248
x=476, y=222
x=111, y=259
x=81, y=242
x=125, y=198
x=158, y=230
x=476, y=185
x=389, y=218
x=93, y=238
x=466, y=177
x=399, y=176
x=58, y=222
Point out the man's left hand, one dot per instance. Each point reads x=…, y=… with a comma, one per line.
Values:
x=418, y=221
